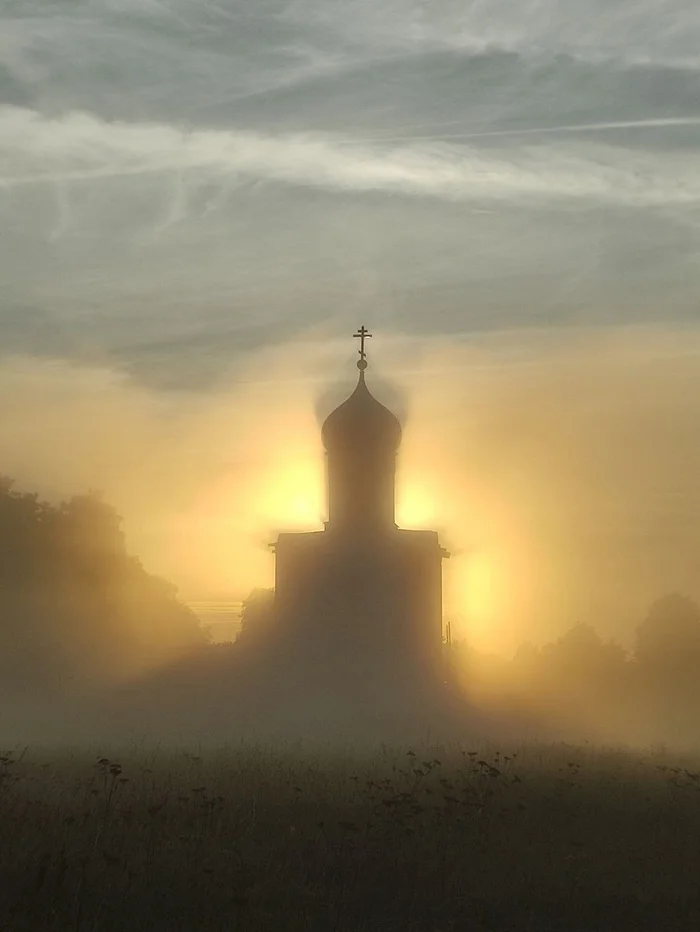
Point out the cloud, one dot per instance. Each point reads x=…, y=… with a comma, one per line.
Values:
x=77, y=147
x=590, y=29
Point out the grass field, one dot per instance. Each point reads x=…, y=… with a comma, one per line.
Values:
x=432, y=838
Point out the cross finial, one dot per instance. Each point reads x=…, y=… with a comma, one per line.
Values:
x=362, y=334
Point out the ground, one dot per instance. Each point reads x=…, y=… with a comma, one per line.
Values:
x=316, y=838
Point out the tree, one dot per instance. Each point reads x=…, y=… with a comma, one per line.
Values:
x=257, y=616
x=670, y=634
x=582, y=651
x=73, y=601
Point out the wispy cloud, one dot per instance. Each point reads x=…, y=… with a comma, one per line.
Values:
x=37, y=149
x=593, y=29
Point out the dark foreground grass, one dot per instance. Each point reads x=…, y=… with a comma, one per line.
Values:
x=249, y=838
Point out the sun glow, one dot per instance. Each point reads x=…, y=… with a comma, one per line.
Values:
x=415, y=506
x=482, y=590
x=290, y=496
x=473, y=597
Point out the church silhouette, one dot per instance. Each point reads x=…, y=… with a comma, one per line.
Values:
x=362, y=597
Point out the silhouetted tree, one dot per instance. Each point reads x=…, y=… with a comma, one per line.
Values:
x=582, y=652
x=670, y=634
x=527, y=656
x=73, y=600
x=667, y=654
x=578, y=678
x=257, y=618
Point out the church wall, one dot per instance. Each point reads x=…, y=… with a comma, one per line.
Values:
x=379, y=600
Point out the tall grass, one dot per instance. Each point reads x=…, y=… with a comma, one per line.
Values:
x=429, y=838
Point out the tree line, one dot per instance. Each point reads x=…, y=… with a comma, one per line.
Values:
x=76, y=608
x=75, y=605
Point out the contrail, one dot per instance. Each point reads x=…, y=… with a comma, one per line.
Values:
x=535, y=130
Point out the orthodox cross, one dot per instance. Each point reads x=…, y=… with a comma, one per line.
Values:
x=363, y=333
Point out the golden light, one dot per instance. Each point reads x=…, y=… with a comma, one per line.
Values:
x=415, y=505
x=483, y=588
x=290, y=495
x=473, y=598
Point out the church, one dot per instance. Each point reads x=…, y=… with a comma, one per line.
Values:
x=362, y=597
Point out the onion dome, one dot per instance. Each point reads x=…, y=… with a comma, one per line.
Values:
x=361, y=422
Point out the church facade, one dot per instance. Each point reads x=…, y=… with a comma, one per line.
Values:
x=361, y=595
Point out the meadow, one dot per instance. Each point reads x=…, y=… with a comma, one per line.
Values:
x=255, y=837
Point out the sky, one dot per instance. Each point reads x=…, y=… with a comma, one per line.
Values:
x=200, y=202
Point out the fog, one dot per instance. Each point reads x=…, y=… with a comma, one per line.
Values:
x=559, y=469
x=201, y=202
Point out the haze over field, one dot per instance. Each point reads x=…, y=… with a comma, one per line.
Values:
x=201, y=201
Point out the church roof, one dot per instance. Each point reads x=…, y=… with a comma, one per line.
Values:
x=361, y=421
